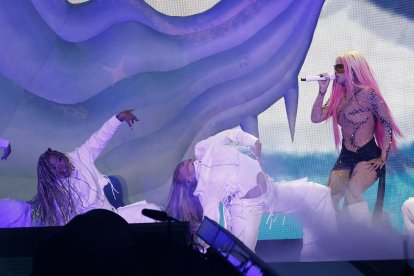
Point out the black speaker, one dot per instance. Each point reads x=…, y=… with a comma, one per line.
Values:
x=224, y=244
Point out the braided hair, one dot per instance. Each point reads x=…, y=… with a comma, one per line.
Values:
x=54, y=203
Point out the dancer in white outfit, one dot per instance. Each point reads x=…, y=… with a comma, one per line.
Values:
x=13, y=213
x=408, y=215
x=223, y=174
x=70, y=184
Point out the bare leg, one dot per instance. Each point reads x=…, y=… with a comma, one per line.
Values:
x=338, y=183
x=361, y=179
x=260, y=188
x=357, y=209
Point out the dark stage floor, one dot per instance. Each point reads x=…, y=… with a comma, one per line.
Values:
x=282, y=256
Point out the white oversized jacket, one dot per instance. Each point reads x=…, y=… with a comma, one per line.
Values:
x=85, y=177
x=89, y=182
x=86, y=180
x=218, y=170
x=225, y=175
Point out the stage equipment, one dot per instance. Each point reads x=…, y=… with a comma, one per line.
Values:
x=225, y=244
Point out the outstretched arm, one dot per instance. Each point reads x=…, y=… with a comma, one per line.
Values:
x=98, y=141
x=5, y=145
x=236, y=136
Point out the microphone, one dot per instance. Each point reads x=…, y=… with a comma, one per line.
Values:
x=317, y=78
x=156, y=215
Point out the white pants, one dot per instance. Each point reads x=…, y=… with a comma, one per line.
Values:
x=245, y=217
x=408, y=215
x=15, y=213
x=310, y=202
x=132, y=212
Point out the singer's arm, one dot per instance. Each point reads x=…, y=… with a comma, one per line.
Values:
x=319, y=112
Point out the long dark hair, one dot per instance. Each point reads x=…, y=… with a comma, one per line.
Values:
x=54, y=203
x=182, y=204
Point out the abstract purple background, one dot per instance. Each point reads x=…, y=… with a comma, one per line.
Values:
x=65, y=69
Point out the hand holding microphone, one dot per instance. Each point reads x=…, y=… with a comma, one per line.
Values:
x=320, y=77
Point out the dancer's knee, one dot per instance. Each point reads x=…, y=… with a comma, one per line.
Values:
x=323, y=190
x=408, y=206
x=319, y=193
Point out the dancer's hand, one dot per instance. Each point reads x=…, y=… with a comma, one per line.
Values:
x=257, y=151
x=127, y=116
x=6, y=152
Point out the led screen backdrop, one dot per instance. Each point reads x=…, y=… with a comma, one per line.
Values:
x=66, y=68
x=383, y=32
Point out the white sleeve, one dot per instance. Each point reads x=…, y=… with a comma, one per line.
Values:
x=98, y=141
x=236, y=136
x=4, y=143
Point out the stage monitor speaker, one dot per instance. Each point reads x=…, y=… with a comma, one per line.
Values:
x=225, y=244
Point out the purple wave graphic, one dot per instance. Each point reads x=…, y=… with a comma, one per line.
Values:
x=66, y=68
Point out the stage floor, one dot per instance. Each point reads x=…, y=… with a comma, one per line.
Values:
x=281, y=249
x=283, y=256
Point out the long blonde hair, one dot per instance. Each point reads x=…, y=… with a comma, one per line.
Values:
x=182, y=204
